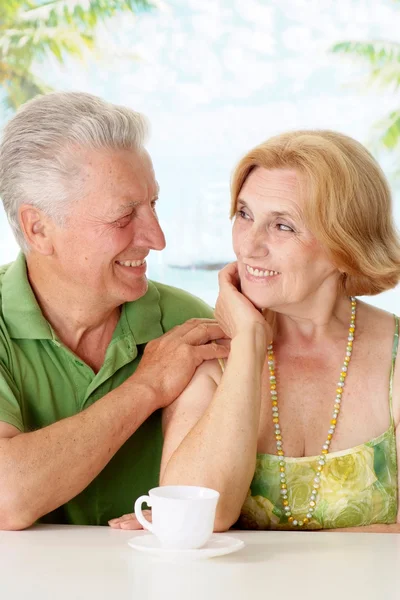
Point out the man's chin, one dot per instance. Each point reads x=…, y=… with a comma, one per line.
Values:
x=134, y=292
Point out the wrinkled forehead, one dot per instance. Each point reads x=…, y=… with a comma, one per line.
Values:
x=95, y=164
x=273, y=189
x=108, y=178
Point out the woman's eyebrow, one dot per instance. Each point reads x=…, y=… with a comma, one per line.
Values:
x=282, y=213
x=274, y=213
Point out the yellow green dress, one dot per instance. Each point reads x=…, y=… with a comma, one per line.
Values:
x=358, y=486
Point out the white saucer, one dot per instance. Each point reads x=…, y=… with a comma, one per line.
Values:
x=218, y=545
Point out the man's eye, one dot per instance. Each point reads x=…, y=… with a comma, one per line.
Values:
x=124, y=221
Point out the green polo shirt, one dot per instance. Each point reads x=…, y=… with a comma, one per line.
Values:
x=42, y=381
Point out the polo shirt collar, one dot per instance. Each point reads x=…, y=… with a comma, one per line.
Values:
x=21, y=311
x=144, y=316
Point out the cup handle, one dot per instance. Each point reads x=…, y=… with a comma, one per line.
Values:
x=138, y=512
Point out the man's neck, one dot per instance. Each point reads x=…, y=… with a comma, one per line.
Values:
x=76, y=317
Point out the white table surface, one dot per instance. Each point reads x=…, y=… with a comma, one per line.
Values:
x=73, y=563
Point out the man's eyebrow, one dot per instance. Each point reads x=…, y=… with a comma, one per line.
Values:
x=130, y=204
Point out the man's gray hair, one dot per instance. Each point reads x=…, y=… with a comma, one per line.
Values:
x=38, y=153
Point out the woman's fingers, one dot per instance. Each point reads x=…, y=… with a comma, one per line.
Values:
x=229, y=275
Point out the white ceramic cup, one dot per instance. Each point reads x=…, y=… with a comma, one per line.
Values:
x=183, y=515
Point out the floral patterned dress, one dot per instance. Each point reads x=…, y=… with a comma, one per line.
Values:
x=358, y=486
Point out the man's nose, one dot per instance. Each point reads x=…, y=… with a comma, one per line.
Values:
x=151, y=235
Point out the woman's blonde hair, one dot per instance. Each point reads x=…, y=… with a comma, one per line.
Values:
x=348, y=203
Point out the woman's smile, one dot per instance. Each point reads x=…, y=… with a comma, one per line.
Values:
x=260, y=275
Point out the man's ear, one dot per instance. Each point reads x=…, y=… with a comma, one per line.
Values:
x=36, y=228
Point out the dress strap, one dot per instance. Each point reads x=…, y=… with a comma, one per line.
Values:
x=222, y=364
x=394, y=355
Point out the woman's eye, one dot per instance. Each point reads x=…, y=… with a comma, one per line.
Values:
x=242, y=214
x=283, y=227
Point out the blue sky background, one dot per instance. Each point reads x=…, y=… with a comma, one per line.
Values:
x=217, y=77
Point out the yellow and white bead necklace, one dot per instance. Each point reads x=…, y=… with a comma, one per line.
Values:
x=325, y=448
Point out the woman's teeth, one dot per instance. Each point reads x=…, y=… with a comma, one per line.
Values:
x=131, y=263
x=259, y=273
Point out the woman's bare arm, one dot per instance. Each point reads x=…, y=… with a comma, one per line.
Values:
x=211, y=431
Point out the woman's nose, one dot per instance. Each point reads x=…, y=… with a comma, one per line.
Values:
x=255, y=243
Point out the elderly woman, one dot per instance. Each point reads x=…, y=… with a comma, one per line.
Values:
x=299, y=429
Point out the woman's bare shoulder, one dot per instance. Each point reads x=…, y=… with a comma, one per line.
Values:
x=212, y=369
x=374, y=322
x=377, y=328
x=189, y=407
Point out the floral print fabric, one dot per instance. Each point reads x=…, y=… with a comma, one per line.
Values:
x=358, y=486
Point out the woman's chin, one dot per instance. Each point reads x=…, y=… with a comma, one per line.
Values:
x=259, y=300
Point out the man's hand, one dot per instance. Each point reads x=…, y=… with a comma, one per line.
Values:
x=169, y=362
x=129, y=521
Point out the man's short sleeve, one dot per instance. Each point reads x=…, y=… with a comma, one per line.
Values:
x=177, y=306
x=10, y=410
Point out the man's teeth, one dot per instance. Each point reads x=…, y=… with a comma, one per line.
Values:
x=131, y=263
x=259, y=273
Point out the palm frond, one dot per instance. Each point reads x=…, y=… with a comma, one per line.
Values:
x=87, y=13
x=20, y=86
x=386, y=77
x=377, y=53
x=31, y=30
x=384, y=58
x=389, y=130
x=9, y=9
x=20, y=45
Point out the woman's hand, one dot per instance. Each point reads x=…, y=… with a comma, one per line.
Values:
x=234, y=312
x=129, y=521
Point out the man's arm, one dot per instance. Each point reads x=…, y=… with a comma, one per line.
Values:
x=42, y=470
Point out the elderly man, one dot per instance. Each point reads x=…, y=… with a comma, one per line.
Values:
x=85, y=363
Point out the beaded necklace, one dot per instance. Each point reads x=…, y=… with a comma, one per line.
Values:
x=299, y=522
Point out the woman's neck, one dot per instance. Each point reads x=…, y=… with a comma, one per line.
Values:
x=313, y=321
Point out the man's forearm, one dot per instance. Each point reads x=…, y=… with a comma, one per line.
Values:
x=42, y=470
